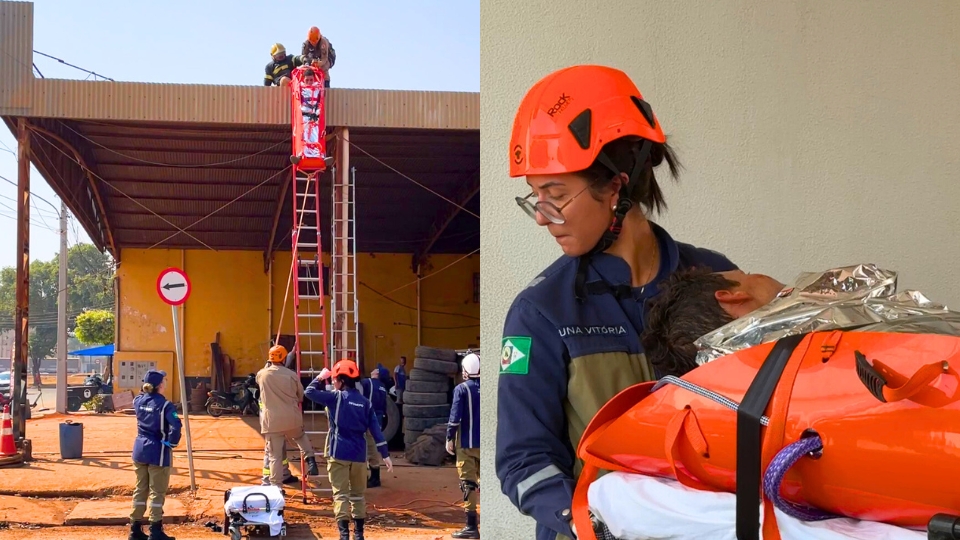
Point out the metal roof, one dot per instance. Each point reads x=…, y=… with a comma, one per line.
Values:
x=134, y=161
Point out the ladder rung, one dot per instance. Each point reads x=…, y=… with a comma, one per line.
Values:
x=312, y=353
x=307, y=262
x=310, y=371
x=309, y=315
x=311, y=333
x=309, y=297
x=308, y=279
x=313, y=490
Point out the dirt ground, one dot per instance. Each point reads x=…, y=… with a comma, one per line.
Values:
x=413, y=503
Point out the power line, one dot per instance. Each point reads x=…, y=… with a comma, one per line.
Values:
x=71, y=65
x=32, y=194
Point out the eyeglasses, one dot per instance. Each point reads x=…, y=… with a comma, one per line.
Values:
x=547, y=208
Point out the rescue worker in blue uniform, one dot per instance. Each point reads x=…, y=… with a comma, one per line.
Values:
x=463, y=440
x=376, y=394
x=588, y=144
x=350, y=416
x=158, y=433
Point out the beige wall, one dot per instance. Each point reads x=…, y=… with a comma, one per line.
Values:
x=813, y=134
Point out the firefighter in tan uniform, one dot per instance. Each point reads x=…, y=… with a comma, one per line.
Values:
x=280, y=416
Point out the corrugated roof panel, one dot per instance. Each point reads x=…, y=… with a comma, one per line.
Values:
x=216, y=223
x=145, y=173
x=240, y=208
x=220, y=241
x=262, y=160
x=16, y=44
x=202, y=192
x=108, y=100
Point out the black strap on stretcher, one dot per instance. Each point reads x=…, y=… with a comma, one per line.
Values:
x=752, y=407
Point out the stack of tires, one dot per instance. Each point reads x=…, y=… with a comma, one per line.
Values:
x=426, y=399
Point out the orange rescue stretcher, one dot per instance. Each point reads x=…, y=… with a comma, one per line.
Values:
x=309, y=130
x=884, y=407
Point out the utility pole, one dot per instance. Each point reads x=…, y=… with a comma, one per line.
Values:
x=62, y=315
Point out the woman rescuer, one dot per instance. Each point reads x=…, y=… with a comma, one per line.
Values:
x=587, y=143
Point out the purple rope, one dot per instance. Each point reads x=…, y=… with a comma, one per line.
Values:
x=782, y=462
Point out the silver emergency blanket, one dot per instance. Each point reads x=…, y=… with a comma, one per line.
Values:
x=860, y=298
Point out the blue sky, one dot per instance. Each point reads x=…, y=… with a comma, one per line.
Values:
x=412, y=45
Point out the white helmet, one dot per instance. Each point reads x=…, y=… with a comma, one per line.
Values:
x=471, y=365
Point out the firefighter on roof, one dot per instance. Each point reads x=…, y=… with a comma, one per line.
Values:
x=318, y=52
x=463, y=440
x=280, y=67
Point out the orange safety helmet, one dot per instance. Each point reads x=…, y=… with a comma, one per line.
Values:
x=278, y=353
x=566, y=118
x=346, y=367
x=313, y=36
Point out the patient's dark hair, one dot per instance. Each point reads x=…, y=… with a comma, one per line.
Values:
x=685, y=309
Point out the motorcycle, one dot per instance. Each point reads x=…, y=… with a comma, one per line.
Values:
x=241, y=398
x=93, y=385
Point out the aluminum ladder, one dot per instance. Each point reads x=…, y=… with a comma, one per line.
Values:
x=345, y=330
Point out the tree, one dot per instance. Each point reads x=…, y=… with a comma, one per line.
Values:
x=89, y=286
x=95, y=327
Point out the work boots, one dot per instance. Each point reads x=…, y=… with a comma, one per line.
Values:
x=156, y=532
x=312, y=469
x=374, y=480
x=358, y=529
x=344, y=527
x=136, y=531
x=471, y=530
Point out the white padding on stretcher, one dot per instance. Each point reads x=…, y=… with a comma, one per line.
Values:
x=637, y=507
x=256, y=513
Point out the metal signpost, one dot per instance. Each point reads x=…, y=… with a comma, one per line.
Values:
x=173, y=286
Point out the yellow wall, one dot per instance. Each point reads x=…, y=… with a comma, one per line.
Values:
x=230, y=295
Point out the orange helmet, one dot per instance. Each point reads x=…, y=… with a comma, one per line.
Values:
x=567, y=117
x=313, y=36
x=346, y=367
x=278, y=353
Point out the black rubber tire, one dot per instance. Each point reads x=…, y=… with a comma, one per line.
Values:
x=424, y=398
x=74, y=404
x=435, y=366
x=427, y=387
x=421, y=424
x=447, y=355
x=393, y=420
x=213, y=410
x=428, y=376
x=426, y=411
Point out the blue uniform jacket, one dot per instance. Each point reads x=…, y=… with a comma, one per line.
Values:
x=383, y=374
x=560, y=362
x=157, y=421
x=350, y=415
x=465, y=414
x=401, y=376
x=376, y=394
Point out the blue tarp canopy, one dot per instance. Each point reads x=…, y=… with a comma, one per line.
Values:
x=103, y=350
